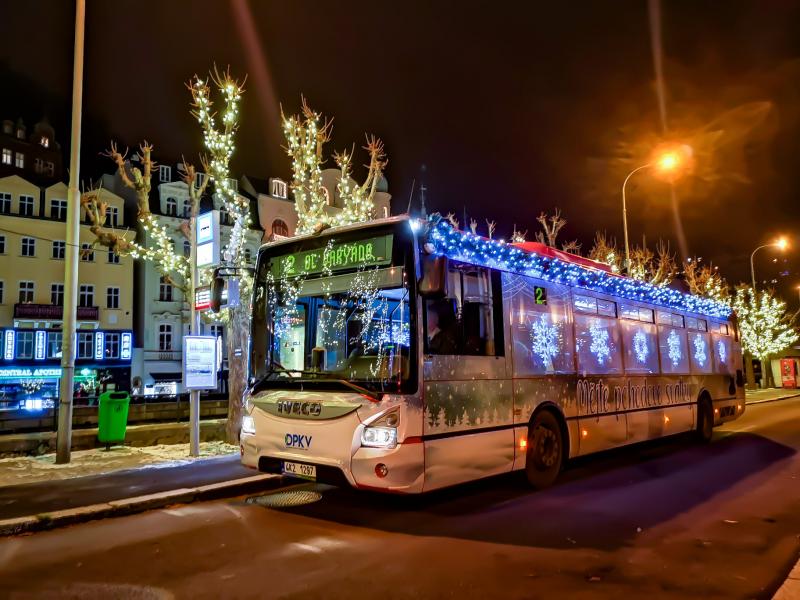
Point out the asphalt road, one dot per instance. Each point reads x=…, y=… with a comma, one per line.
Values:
x=669, y=520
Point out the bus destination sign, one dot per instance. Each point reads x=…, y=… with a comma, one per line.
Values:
x=335, y=257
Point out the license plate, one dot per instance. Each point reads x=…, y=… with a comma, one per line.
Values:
x=293, y=469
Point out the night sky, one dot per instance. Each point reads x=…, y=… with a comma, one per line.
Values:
x=514, y=108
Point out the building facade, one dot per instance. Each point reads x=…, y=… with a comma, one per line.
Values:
x=32, y=254
x=34, y=155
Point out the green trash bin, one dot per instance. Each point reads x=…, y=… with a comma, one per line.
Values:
x=112, y=417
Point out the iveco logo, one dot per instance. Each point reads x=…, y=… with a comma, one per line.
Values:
x=294, y=440
x=288, y=407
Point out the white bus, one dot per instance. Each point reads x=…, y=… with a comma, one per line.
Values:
x=405, y=356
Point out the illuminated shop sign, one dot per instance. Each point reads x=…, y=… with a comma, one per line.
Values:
x=24, y=372
x=8, y=346
x=125, y=346
x=41, y=339
x=335, y=257
x=99, y=345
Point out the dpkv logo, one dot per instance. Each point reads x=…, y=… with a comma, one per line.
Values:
x=295, y=440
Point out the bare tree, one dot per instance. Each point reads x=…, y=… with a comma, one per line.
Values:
x=551, y=225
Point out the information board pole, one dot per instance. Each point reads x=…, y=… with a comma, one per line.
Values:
x=194, y=395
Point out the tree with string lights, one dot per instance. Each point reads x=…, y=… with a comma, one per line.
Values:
x=306, y=135
x=159, y=248
x=764, y=325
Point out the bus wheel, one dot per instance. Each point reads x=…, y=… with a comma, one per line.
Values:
x=705, y=420
x=545, y=450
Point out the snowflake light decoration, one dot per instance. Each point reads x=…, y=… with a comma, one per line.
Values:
x=699, y=349
x=640, y=348
x=600, y=343
x=674, y=348
x=545, y=339
x=722, y=351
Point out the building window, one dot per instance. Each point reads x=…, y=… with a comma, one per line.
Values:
x=5, y=203
x=164, y=173
x=165, y=290
x=24, y=344
x=328, y=198
x=113, y=257
x=57, y=294
x=187, y=249
x=87, y=253
x=58, y=209
x=28, y=246
x=248, y=255
x=112, y=216
x=279, y=227
x=44, y=142
x=86, y=295
x=20, y=133
x=225, y=217
x=112, y=345
x=7, y=156
x=59, y=249
x=187, y=208
x=2, y=289
x=172, y=207
x=54, y=344
x=49, y=168
x=165, y=337
x=277, y=188
x=112, y=297
x=38, y=165
x=26, y=206
x=26, y=292
x=199, y=179
x=20, y=160
x=2, y=244
x=85, y=344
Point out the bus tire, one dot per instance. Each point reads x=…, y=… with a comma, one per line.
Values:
x=705, y=419
x=545, y=451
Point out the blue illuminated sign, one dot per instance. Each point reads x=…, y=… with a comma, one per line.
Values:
x=8, y=347
x=40, y=345
x=99, y=345
x=125, y=346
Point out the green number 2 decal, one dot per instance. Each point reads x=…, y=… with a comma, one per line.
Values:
x=540, y=294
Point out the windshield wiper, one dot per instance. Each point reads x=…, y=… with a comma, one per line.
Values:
x=329, y=377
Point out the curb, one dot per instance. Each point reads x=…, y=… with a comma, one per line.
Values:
x=771, y=399
x=137, y=504
x=790, y=590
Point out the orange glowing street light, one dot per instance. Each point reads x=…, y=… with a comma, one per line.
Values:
x=781, y=244
x=671, y=162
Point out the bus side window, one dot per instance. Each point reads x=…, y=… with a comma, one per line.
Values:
x=469, y=320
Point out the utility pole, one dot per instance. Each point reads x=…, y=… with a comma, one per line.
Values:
x=64, y=438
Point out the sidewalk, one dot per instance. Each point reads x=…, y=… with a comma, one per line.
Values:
x=56, y=495
x=770, y=395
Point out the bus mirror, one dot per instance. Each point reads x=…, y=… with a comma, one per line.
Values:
x=217, y=286
x=433, y=283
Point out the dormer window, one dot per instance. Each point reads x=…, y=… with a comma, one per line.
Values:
x=277, y=188
x=234, y=184
x=199, y=178
x=164, y=173
x=327, y=195
x=172, y=207
x=20, y=133
x=45, y=142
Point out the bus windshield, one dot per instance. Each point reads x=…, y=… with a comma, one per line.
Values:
x=333, y=312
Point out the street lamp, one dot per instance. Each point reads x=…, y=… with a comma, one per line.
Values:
x=666, y=162
x=781, y=244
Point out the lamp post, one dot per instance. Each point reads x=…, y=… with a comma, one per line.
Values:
x=780, y=243
x=666, y=163
x=64, y=435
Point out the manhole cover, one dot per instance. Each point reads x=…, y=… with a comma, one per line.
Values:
x=285, y=499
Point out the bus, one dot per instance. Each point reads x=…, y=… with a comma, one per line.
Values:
x=404, y=355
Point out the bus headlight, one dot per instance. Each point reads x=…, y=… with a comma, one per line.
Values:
x=248, y=425
x=379, y=437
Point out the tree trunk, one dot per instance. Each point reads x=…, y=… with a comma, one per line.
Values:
x=749, y=371
x=766, y=368
x=238, y=332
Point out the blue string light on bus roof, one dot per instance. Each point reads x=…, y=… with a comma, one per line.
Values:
x=468, y=247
